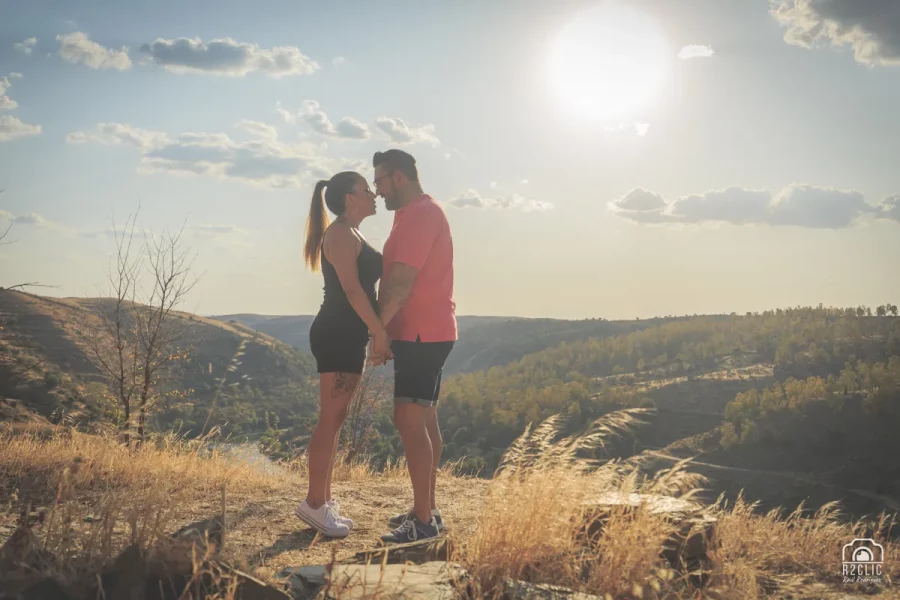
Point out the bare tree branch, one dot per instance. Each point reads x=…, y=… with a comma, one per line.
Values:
x=4, y=234
x=138, y=337
x=30, y=284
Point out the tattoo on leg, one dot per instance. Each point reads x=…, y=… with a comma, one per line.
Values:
x=343, y=384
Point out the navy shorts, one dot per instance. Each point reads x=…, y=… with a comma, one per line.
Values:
x=418, y=367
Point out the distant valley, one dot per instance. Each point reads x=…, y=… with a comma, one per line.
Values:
x=806, y=393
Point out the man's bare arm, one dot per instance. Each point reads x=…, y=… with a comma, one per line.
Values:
x=395, y=290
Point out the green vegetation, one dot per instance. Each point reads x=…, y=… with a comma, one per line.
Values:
x=753, y=416
x=483, y=412
x=247, y=384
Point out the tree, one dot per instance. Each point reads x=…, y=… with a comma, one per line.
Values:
x=136, y=338
x=881, y=310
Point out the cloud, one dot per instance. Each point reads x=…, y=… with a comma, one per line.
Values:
x=78, y=48
x=107, y=232
x=347, y=128
x=12, y=128
x=797, y=205
x=870, y=27
x=473, y=199
x=402, y=133
x=225, y=56
x=221, y=236
x=263, y=160
x=258, y=129
x=352, y=129
x=732, y=205
x=116, y=133
x=15, y=75
x=287, y=115
x=210, y=230
x=6, y=103
x=641, y=200
x=695, y=51
x=641, y=206
x=640, y=129
x=453, y=152
x=28, y=220
x=26, y=46
x=817, y=207
x=889, y=208
x=338, y=61
x=32, y=219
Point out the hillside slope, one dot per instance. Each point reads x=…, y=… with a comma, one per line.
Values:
x=45, y=363
x=484, y=341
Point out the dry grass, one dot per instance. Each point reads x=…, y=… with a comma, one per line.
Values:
x=533, y=524
x=792, y=552
x=527, y=523
x=360, y=469
x=532, y=529
x=96, y=495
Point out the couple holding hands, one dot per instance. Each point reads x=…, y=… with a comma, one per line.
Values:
x=411, y=321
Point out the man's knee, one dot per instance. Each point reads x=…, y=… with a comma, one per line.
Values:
x=409, y=417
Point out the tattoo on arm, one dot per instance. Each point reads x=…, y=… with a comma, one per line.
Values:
x=397, y=288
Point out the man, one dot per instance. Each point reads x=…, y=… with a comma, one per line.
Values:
x=416, y=305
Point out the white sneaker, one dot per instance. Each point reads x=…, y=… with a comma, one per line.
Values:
x=322, y=519
x=336, y=508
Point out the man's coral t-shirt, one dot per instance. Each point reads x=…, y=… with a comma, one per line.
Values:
x=421, y=238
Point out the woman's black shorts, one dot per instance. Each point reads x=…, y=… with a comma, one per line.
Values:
x=338, y=346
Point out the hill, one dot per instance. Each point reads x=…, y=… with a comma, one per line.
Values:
x=484, y=341
x=45, y=363
x=746, y=395
x=809, y=368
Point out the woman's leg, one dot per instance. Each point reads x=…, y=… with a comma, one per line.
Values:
x=334, y=452
x=335, y=392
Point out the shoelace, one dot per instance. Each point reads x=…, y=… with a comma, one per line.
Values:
x=329, y=515
x=404, y=529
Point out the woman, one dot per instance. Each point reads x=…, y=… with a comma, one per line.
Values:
x=340, y=332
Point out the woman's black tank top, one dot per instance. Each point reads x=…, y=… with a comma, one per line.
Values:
x=335, y=306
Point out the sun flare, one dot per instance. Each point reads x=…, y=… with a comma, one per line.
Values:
x=608, y=61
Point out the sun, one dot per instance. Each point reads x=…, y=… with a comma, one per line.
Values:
x=610, y=61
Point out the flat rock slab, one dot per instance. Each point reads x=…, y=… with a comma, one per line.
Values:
x=656, y=504
x=695, y=528
x=434, y=580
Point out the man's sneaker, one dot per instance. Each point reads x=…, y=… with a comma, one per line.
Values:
x=336, y=508
x=398, y=520
x=322, y=519
x=412, y=530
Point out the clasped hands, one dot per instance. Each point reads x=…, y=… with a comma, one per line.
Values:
x=379, y=348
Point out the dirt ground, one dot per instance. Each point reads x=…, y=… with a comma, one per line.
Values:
x=264, y=533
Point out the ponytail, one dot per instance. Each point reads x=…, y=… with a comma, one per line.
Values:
x=315, y=227
x=338, y=187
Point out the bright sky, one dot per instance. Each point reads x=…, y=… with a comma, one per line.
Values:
x=595, y=159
